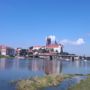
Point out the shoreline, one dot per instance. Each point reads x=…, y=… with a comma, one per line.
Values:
x=1, y=56
x=83, y=85
x=38, y=83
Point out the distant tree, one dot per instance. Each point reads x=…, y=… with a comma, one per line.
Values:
x=23, y=52
x=52, y=50
x=31, y=47
x=42, y=50
x=56, y=51
x=64, y=53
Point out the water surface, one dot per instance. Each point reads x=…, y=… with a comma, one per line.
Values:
x=14, y=69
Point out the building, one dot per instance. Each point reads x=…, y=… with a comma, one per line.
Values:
x=6, y=51
x=55, y=48
x=36, y=47
x=24, y=52
x=53, y=45
x=18, y=51
x=48, y=41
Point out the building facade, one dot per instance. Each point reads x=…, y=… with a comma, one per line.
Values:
x=6, y=51
x=55, y=48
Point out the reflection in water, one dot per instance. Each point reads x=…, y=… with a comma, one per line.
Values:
x=2, y=63
x=35, y=65
x=21, y=69
x=5, y=64
x=77, y=64
x=52, y=67
x=48, y=67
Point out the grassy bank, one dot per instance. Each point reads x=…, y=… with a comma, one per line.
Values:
x=41, y=82
x=83, y=85
x=1, y=56
x=38, y=83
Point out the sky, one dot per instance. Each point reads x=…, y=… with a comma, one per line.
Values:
x=24, y=23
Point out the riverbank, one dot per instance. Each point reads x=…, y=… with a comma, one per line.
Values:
x=83, y=85
x=39, y=83
x=1, y=56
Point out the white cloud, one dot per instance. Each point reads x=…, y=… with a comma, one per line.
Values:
x=79, y=41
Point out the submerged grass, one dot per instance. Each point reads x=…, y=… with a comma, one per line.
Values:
x=40, y=82
x=8, y=57
x=83, y=85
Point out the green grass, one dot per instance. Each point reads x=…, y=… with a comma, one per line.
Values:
x=39, y=82
x=1, y=56
x=83, y=85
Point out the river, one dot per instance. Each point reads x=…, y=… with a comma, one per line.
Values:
x=16, y=69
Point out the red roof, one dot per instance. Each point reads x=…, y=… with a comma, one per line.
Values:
x=2, y=46
x=53, y=46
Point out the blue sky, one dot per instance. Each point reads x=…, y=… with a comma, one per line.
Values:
x=27, y=22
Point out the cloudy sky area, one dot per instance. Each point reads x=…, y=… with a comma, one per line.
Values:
x=79, y=41
x=27, y=22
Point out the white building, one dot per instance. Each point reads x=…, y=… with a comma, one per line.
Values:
x=6, y=51
x=36, y=47
x=55, y=47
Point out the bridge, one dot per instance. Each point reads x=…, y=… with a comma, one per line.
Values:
x=53, y=56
